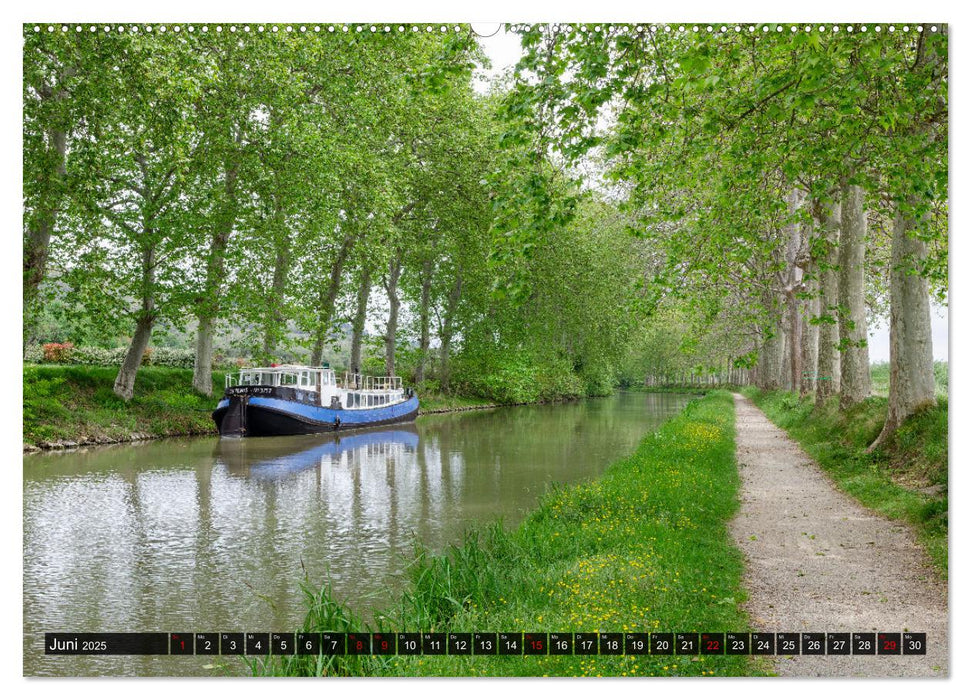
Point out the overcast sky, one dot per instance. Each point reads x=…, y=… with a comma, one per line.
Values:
x=503, y=50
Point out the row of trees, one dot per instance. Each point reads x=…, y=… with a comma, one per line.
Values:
x=791, y=176
x=293, y=184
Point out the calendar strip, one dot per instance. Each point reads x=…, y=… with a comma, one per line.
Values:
x=487, y=643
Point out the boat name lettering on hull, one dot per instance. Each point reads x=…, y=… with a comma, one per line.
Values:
x=249, y=390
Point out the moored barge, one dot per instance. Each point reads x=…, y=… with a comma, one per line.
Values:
x=296, y=400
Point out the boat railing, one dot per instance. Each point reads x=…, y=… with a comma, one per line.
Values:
x=361, y=382
x=305, y=377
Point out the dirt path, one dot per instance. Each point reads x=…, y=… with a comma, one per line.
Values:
x=817, y=561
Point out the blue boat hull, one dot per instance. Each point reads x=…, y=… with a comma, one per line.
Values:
x=254, y=416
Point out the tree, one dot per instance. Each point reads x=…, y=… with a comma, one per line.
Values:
x=138, y=155
x=918, y=137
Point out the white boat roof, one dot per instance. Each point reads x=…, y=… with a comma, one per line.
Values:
x=284, y=368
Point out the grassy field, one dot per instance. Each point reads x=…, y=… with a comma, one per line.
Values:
x=644, y=548
x=906, y=480
x=880, y=378
x=76, y=403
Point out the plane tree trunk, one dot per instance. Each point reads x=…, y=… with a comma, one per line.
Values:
x=828, y=368
x=360, y=318
x=424, y=320
x=911, y=350
x=855, y=360
x=810, y=333
x=125, y=381
x=448, y=331
x=394, y=303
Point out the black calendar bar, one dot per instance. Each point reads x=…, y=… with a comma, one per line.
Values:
x=487, y=643
x=108, y=643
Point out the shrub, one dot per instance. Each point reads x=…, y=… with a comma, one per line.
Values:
x=57, y=352
x=509, y=377
x=173, y=357
x=98, y=356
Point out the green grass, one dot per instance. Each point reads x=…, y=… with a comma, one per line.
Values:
x=437, y=401
x=880, y=378
x=75, y=402
x=905, y=480
x=643, y=548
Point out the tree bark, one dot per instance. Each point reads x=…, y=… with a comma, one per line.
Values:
x=360, y=318
x=828, y=369
x=390, y=336
x=125, y=381
x=911, y=350
x=810, y=334
x=770, y=370
x=202, y=369
x=424, y=322
x=793, y=287
x=855, y=362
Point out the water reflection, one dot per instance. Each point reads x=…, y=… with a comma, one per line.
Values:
x=216, y=535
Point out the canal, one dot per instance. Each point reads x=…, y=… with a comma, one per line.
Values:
x=203, y=535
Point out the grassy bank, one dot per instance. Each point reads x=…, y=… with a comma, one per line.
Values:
x=76, y=404
x=66, y=405
x=644, y=548
x=443, y=403
x=905, y=480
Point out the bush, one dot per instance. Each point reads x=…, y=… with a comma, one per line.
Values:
x=98, y=356
x=67, y=354
x=599, y=381
x=504, y=378
x=173, y=357
x=58, y=352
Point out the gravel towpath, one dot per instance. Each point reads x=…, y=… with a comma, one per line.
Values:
x=818, y=561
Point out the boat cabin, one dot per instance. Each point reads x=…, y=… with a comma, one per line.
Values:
x=356, y=391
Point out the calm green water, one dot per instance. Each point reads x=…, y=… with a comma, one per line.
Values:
x=209, y=535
